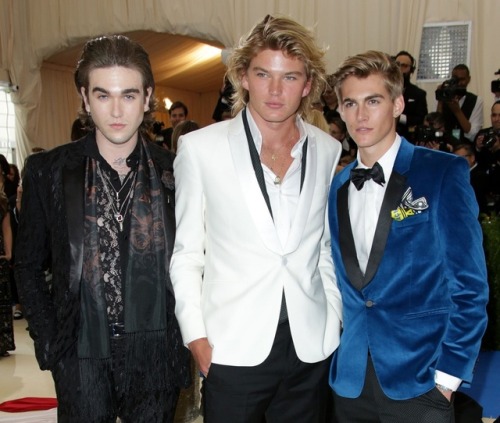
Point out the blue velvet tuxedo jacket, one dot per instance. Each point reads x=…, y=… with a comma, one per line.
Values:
x=421, y=304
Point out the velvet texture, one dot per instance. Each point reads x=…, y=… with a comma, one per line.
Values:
x=421, y=304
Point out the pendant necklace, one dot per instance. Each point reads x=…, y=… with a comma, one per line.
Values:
x=275, y=156
x=120, y=209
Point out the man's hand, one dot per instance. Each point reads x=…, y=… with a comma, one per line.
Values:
x=479, y=141
x=202, y=354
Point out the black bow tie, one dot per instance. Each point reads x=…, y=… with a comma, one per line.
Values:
x=359, y=176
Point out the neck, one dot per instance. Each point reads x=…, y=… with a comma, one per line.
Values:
x=372, y=154
x=116, y=154
x=276, y=134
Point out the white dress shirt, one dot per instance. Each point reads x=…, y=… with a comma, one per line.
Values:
x=283, y=197
x=476, y=118
x=365, y=204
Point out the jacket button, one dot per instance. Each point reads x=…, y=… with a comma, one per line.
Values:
x=369, y=303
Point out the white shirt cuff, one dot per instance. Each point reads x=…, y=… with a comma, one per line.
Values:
x=447, y=380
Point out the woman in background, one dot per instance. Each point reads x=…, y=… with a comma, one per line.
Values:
x=6, y=326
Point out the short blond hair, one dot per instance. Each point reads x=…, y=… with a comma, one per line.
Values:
x=370, y=63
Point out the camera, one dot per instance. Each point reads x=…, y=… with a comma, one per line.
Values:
x=495, y=84
x=491, y=136
x=427, y=134
x=449, y=90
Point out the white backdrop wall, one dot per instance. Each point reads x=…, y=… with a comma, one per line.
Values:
x=33, y=30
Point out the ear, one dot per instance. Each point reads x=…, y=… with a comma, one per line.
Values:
x=341, y=111
x=244, y=81
x=307, y=88
x=149, y=91
x=398, y=106
x=85, y=99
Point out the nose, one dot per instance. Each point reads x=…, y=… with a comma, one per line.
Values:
x=116, y=109
x=275, y=86
x=362, y=113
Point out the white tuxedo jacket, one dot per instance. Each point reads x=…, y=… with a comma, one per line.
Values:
x=229, y=268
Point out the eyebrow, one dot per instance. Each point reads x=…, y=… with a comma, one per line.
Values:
x=258, y=68
x=126, y=91
x=370, y=97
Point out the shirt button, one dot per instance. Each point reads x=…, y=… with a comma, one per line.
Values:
x=284, y=261
x=369, y=303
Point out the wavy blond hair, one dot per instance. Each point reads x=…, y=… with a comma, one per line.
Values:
x=294, y=40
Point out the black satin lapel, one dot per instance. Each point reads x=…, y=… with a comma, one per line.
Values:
x=393, y=194
x=73, y=182
x=346, y=239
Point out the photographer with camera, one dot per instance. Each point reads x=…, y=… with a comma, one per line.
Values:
x=432, y=134
x=487, y=143
x=462, y=110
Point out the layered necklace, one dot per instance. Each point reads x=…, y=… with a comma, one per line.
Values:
x=119, y=207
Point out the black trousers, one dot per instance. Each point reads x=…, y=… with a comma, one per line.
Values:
x=373, y=406
x=281, y=389
x=107, y=400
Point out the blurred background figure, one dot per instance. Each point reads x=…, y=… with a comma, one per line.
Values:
x=329, y=98
x=415, y=98
x=6, y=324
x=178, y=113
x=182, y=129
x=462, y=110
x=479, y=179
x=222, y=110
x=77, y=130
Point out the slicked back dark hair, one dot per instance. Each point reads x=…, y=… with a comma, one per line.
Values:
x=114, y=50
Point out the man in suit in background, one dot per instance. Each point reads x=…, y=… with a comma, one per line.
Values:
x=414, y=97
x=252, y=271
x=408, y=253
x=99, y=212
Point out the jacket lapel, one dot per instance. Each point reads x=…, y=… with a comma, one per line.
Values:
x=393, y=194
x=249, y=186
x=346, y=239
x=73, y=186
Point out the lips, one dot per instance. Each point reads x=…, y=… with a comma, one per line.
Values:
x=274, y=105
x=117, y=126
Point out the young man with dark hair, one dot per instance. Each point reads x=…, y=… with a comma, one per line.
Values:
x=100, y=212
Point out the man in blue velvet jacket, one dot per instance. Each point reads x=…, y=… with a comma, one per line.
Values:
x=407, y=247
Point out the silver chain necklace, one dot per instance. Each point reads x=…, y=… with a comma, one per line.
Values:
x=120, y=209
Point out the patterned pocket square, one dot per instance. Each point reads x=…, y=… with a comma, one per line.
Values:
x=409, y=206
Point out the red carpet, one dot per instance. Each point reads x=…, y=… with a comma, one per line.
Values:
x=28, y=404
